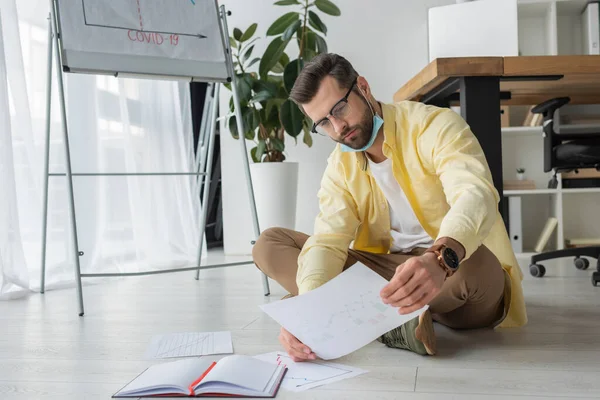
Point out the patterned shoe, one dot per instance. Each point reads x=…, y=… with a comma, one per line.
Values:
x=416, y=335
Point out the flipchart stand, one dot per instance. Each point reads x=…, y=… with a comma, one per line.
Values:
x=204, y=159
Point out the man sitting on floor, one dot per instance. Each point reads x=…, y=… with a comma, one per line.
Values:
x=407, y=192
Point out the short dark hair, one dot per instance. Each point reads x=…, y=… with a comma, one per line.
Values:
x=325, y=64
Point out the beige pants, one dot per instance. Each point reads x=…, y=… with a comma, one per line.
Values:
x=471, y=298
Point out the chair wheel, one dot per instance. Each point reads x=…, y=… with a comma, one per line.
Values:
x=581, y=263
x=537, y=270
x=595, y=278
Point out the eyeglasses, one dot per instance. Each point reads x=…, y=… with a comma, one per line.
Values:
x=340, y=110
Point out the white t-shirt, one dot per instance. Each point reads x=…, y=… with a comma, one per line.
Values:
x=407, y=233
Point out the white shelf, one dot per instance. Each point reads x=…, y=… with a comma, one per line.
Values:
x=580, y=190
x=533, y=8
x=530, y=192
x=550, y=191
x=538, y=8
x=571, y=7
x=522, y=131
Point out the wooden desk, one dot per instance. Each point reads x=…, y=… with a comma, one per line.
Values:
x=480, y=85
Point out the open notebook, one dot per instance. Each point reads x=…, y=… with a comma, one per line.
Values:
x=237, y=375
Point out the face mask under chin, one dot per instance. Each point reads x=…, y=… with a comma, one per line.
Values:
x=377, y=122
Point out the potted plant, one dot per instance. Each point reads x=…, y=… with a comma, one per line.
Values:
x=264, y=83
x=520, y=173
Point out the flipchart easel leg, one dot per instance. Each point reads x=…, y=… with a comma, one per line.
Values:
x=214, y=104
x=63, y=111
x=240, y=126
x=46, y=155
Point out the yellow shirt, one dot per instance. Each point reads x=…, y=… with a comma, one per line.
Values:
x=441, y=168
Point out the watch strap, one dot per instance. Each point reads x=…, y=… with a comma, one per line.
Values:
x=438, y=249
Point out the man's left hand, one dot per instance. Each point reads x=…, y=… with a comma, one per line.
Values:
x=415, y=283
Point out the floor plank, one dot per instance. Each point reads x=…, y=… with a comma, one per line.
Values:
x=509, y=382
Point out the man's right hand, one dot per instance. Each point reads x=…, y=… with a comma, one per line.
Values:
x=296, y=350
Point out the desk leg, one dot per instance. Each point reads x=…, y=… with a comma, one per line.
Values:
x=480, y=107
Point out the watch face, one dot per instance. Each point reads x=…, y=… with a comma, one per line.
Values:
x=450, y=258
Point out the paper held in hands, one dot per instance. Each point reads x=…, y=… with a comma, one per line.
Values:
x=340, y=316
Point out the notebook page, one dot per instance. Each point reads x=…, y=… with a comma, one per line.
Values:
x=244, y=371
x=172, y=374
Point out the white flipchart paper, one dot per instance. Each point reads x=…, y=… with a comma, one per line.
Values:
x=340, y=316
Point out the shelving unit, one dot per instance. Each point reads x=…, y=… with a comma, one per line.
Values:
x=549, y=27
x=528, y=28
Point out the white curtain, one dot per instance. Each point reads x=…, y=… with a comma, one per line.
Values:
x=124, y=223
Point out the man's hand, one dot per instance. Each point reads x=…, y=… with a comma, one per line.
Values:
x=415, y=283
x=296, y=350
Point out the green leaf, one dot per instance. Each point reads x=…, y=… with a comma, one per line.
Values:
x=307, y=139
x=233, y=127
x=309, y=54
x=292, y=118
x=315, y=21
x=260, y=149
x=254, y=61
x=251, y=121
x=284, y=60
x=248, y=53
x=244, y=85
x=321, y=44
x=281, y=92
x=237, y=34
x=273, y=106
x=328, y=7
x=286, y=2
x=278, y=68
x=277, y=144
x=253, y=154
x=249, y=32
x=262, y=96
x=281, y=23
x=260, y=85
x=272, y=121
x=289, y=32
x=271, y=56
x=291, y=73
x=310, y=41
x=232, y=43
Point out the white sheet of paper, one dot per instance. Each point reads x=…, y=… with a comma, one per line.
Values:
x=189, y=344
x=309, y=374
x=340, y=316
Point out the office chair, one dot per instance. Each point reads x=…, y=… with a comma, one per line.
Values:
x=564, y=153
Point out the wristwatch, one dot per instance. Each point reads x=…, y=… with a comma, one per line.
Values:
x=447, y=258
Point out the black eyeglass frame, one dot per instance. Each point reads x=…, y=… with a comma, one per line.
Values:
x=342, y=100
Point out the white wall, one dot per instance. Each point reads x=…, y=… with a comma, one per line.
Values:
x=387, y=42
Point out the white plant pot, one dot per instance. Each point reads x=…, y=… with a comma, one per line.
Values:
x=520, y=176
x=275, y=193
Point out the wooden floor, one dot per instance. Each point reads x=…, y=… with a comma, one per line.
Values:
x=48, y=352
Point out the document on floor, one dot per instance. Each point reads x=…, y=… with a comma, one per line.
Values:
x=189, y=344
x=340, y=316
x=306, y=375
